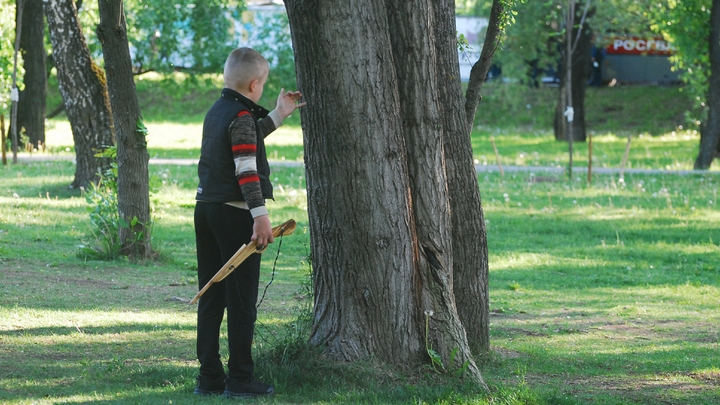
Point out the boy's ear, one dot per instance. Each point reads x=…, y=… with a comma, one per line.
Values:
x=252, y=85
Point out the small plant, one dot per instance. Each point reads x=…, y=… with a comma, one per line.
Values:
x=435, y=359
x=289, y=343
x=103, y=212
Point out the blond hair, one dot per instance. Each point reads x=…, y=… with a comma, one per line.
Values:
x=242, y=66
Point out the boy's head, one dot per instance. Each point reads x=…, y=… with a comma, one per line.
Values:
x=246, y=72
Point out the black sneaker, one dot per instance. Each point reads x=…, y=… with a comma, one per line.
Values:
x=210, y=386
x=247, y=389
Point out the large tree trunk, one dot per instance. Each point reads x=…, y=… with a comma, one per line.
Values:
x=415, y=43
x=358, y=191
x=378, y=201
x=470, y=254
x=31, y=106
x=578, y=81
x=710, y=130
x=133, y=187
x=83, y=89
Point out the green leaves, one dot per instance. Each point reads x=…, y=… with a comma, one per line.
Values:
x=186, y=34
x=141, y=133
x=686, y=25
x=103, y=213
x=7, y=49
x=271, y=37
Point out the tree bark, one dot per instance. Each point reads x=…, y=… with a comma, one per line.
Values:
x=363, y=253
x=579, y=76
x=381, y=235
x=132, y=157
x=31, y=106
x=83, y=89
x=415, y=43
x=469, y=237
x=710, y=130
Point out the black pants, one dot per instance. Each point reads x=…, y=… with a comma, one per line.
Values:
x=220, y=230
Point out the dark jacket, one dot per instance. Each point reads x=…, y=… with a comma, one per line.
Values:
x=216, y=168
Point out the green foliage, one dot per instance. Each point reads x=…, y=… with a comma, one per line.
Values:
x=686, y=24
x=141, y=132
x=7, y=50
x=165, y=35
x=436, y=360
x=538, y=31
x=177, y=97
x=288, y=344
x=462, y=44
x=276, y=47
x=481, y=8
x=619, y=110
x=105, y=221
x=187, y=34
x=531, y=38
x=537, y=35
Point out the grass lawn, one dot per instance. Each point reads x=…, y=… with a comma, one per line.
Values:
x=606, y=293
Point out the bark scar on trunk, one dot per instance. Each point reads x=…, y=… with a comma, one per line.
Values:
x=435, y=265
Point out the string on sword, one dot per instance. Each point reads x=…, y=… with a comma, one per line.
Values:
x=272, y=277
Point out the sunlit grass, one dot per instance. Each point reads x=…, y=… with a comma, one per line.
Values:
x=674, y=150
x=601, y=293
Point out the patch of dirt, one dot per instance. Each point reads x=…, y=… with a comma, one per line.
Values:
x=506, y=353
x=660, y=330
x=87, y=287
x=658, y=389
x=710, y=377
x=519, y=331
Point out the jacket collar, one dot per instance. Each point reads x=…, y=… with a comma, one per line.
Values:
x=258, y=111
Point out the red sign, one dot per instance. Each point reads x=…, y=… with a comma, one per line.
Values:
x=639, y=46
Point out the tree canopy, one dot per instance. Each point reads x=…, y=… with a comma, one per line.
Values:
x=7, y=49
x=538, y=27
x=167, y=35
x=686, y=24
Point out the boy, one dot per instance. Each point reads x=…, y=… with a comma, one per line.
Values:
x=230, y=211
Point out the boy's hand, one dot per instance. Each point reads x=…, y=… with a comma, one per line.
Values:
x=262, y=232
x=288, y=102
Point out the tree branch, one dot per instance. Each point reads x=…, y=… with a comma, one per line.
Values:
x=480, y=69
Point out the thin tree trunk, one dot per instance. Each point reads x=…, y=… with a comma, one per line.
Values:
x=14, y=95
x=469, y=247
x=580, y=72
x=31, y=106
x=570, y=84
x=133, y=187
x=83, y=89
x=480, y=69
x=710, y=130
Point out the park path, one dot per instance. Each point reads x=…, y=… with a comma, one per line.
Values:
x=27, y=158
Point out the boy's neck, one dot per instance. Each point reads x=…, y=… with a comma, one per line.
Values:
x=242, y=93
